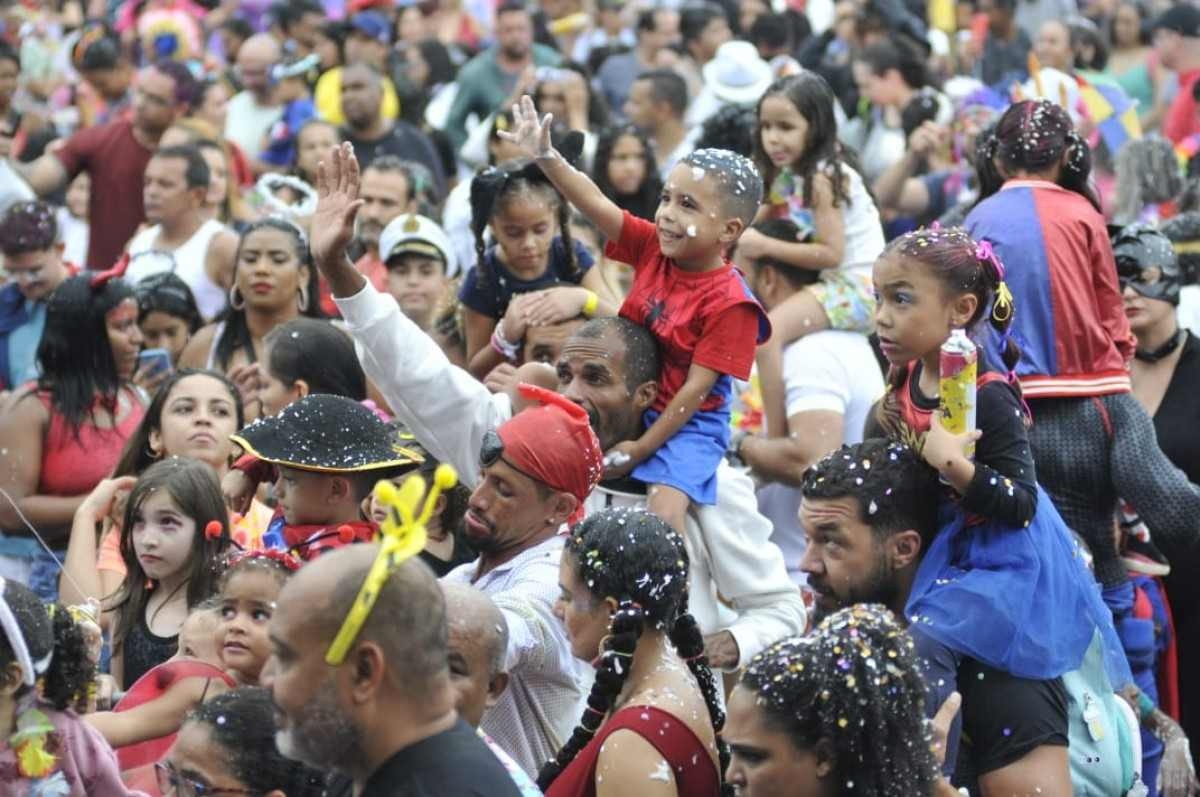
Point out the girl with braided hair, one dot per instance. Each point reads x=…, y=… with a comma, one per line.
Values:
x=651, y=724
x=45, y=670
x=533, y=250
x=837, y=712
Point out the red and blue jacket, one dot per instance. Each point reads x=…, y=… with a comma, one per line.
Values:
x=1069, y=319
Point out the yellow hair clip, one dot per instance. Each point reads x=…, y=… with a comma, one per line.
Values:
x=403, y=537
x=1002, y=308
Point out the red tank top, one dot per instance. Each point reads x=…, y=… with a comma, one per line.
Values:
x=693, y=770
x=73, y=464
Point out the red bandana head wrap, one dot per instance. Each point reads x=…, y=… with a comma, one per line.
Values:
x=554, y=443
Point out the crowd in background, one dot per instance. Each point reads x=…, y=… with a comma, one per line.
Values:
x=711, y=531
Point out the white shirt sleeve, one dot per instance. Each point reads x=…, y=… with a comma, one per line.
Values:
x=815, y=378
x=444, y=407
x=737, y=567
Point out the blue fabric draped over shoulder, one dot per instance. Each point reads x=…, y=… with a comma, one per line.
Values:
x=1020, y=600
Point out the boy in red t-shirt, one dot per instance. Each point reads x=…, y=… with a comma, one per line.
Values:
x=688, y=294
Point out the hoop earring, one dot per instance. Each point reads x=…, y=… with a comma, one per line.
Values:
x=236, y=300
x=302, y=301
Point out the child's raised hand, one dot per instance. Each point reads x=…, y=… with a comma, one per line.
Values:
x=529, y=133
x=99, y=503
x=942, y=448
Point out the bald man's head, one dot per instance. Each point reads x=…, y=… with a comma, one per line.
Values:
x=254, y=61
x=408, y=621
x=478, y=646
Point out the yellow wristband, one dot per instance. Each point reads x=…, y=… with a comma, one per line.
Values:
x=589, y=307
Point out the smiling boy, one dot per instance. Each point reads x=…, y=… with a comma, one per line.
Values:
x=688, y=294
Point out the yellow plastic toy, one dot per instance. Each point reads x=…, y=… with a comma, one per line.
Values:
x=403, y=537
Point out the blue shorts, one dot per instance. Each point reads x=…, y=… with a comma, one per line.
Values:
x=688, y=460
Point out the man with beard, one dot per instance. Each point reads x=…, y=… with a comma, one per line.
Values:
x=490, y=78
x=740, y=592
x=384, y=717
x=537, y=470
x=373, y=135
x=869, y=512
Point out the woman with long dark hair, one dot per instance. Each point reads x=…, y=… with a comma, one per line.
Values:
x=274, y=281
x=625, y=170
x=192, y=415
x=654, y=713
x=63, y=435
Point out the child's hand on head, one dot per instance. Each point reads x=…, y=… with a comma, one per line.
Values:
x=516, y=319
x=553, y=305
x=943, y=448
x=751, y=245
x=102, y=500
x=529, y=133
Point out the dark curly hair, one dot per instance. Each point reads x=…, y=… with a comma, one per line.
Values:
x=49, y=630
x=241, y=722
x=854, y=684
x=27, y=227
x=643, y=202
x=879, y=473
x=639, y=561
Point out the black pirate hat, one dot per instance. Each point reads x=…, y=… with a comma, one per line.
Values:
x=328, y=434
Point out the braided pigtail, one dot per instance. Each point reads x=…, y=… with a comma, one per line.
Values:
x=689, y=644
x=65, y=684
x=564, y=228
x=486, y=188
x=614, y=664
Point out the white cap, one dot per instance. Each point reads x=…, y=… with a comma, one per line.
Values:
x=420, y=235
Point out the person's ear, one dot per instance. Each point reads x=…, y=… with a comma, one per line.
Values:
x=439, y=506
x=962, y=310
x=904, y=548
x=12, y=678
x=302, y=389
x=368, y=670
x=339, y=488
x=564, y=506
x=155, y=443
x=731, y=230
x=826, y=758
x=496, y=686
x=644, y=395
x=200, y=193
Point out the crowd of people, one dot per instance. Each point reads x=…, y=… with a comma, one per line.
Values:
x=479, y=397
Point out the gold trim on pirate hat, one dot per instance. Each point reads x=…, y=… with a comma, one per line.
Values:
x=327, y=434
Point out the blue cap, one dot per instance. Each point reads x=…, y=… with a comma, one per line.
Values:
x=373, y=24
